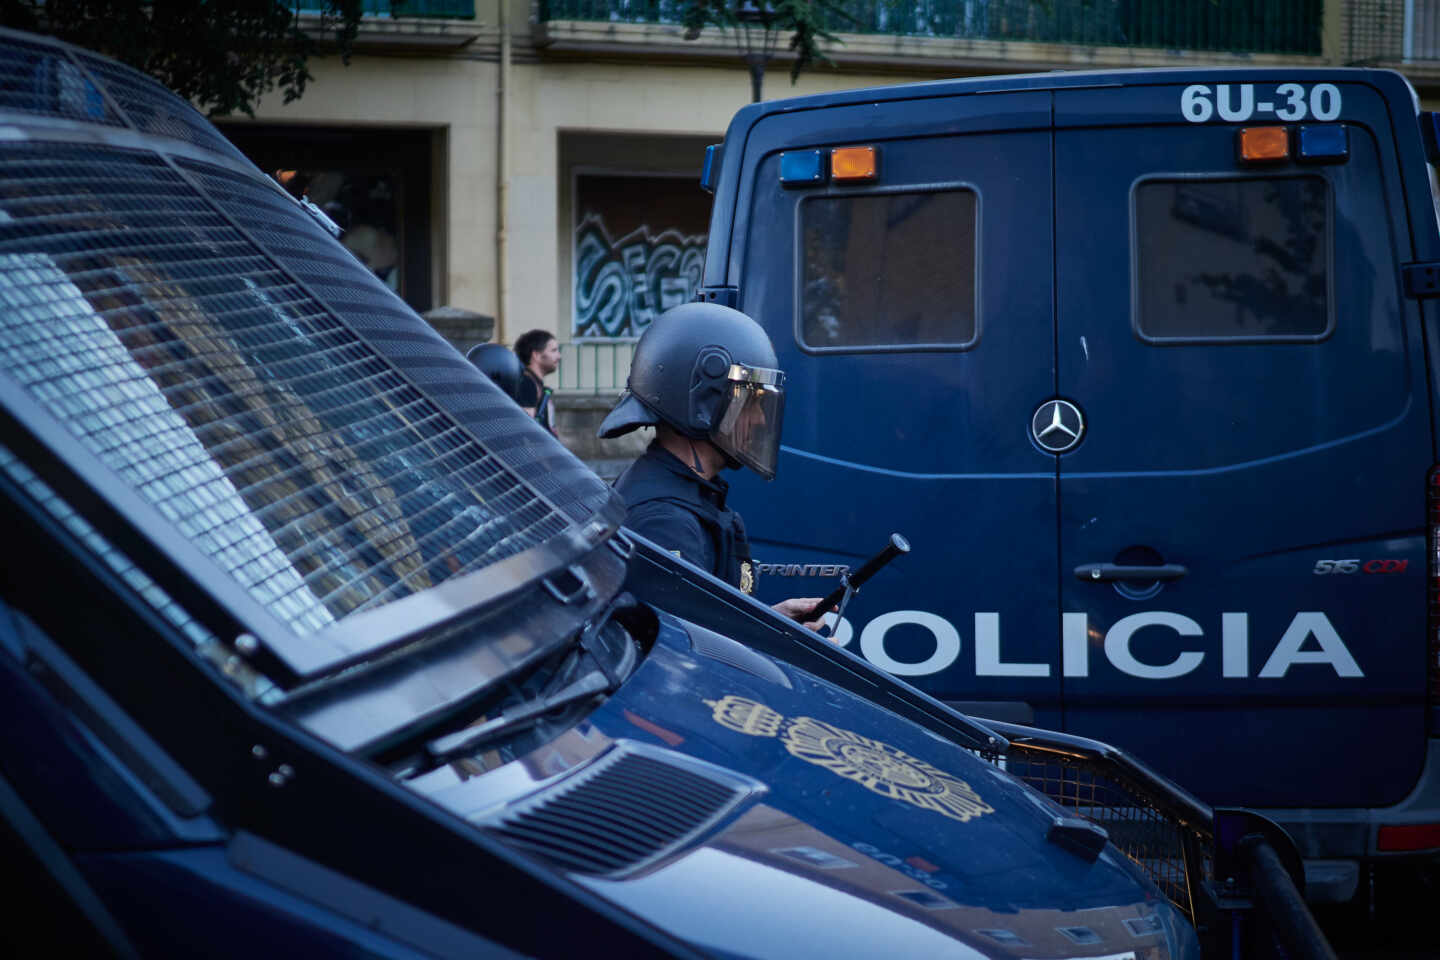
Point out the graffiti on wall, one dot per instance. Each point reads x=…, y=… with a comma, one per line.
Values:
x=622, y=285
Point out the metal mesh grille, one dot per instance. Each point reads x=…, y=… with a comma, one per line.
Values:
x=38, y=79
x=46, y=498
x=1148, y=836
x=207, y=644
x=153, y=109
x=284, y=447
x=629, y=812
x=384, y=320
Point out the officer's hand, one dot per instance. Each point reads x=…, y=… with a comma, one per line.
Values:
x=797, y=607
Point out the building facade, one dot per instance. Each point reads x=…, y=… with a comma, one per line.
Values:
x=507, y=164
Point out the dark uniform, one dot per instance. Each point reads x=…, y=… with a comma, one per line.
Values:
x=686, y=514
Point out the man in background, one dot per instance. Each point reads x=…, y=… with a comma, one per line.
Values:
x=539, y=354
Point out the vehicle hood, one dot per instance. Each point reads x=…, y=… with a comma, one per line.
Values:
x=762, y=812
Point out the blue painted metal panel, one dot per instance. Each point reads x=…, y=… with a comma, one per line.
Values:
x=984, y=859
x=1247, y=462
x=928, y=443
x=857, y=117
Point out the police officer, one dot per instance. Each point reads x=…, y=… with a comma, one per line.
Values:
x=705, y=376
x=499, y=363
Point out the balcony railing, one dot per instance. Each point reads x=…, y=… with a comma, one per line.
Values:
x=431, y=9
x=1422, y=31
x=1233, y=26
x=1392, y=31
x=595, y=366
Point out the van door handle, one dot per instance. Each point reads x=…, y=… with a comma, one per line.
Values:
x=1164, y=572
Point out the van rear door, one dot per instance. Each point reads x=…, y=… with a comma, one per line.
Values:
x=1256, y=441
x=913, y=313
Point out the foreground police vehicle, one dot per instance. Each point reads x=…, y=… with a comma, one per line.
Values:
x=311, y=641
x=1149, y=381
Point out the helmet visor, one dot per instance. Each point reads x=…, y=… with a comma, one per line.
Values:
x=749, y=427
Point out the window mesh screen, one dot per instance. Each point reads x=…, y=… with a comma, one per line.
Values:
x=281, y=444
x=40, y=79
x=153, y=109
x=255, y=685
x=46, y=498
x=385, y=321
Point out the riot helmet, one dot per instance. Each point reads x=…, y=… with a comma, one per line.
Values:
x=710, y=373
x=499, y=363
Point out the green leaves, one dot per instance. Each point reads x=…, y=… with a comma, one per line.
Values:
x=222, y=55
x=807, y=22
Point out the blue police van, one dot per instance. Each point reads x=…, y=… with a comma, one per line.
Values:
x=1143, y=364
x=313, y=643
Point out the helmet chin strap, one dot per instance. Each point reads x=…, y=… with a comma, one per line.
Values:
x=695, y=463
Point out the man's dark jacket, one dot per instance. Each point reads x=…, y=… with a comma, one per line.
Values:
x=686, y=514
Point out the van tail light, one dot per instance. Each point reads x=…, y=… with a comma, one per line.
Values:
x=1408, y=837
x=1432, y=623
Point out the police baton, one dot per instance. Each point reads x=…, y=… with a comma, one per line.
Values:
x=851, y=583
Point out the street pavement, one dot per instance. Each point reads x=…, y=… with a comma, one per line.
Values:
x=1402, y=923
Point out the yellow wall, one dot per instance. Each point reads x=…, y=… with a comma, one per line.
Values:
x=457, y=94
x=454, y=94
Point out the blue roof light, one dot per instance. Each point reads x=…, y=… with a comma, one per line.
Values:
x=710, y=172
x=801, y=168
x=1324, y=143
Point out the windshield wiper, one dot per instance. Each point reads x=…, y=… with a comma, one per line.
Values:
x=471, y=739
x=602, y=678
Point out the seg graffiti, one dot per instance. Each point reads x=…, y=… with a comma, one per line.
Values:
x=622, y=285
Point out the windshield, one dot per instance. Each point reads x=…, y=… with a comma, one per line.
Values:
x=200, y=367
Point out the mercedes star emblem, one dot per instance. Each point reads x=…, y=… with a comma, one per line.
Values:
x=1057, y=425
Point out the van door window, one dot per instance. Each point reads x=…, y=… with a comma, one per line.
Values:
x=894, y=269
x=1233, y=259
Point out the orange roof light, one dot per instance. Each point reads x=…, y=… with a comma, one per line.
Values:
x=853, y=163
x=1264, y=143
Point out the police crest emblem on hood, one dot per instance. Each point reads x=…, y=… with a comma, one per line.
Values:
x=875, y=765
